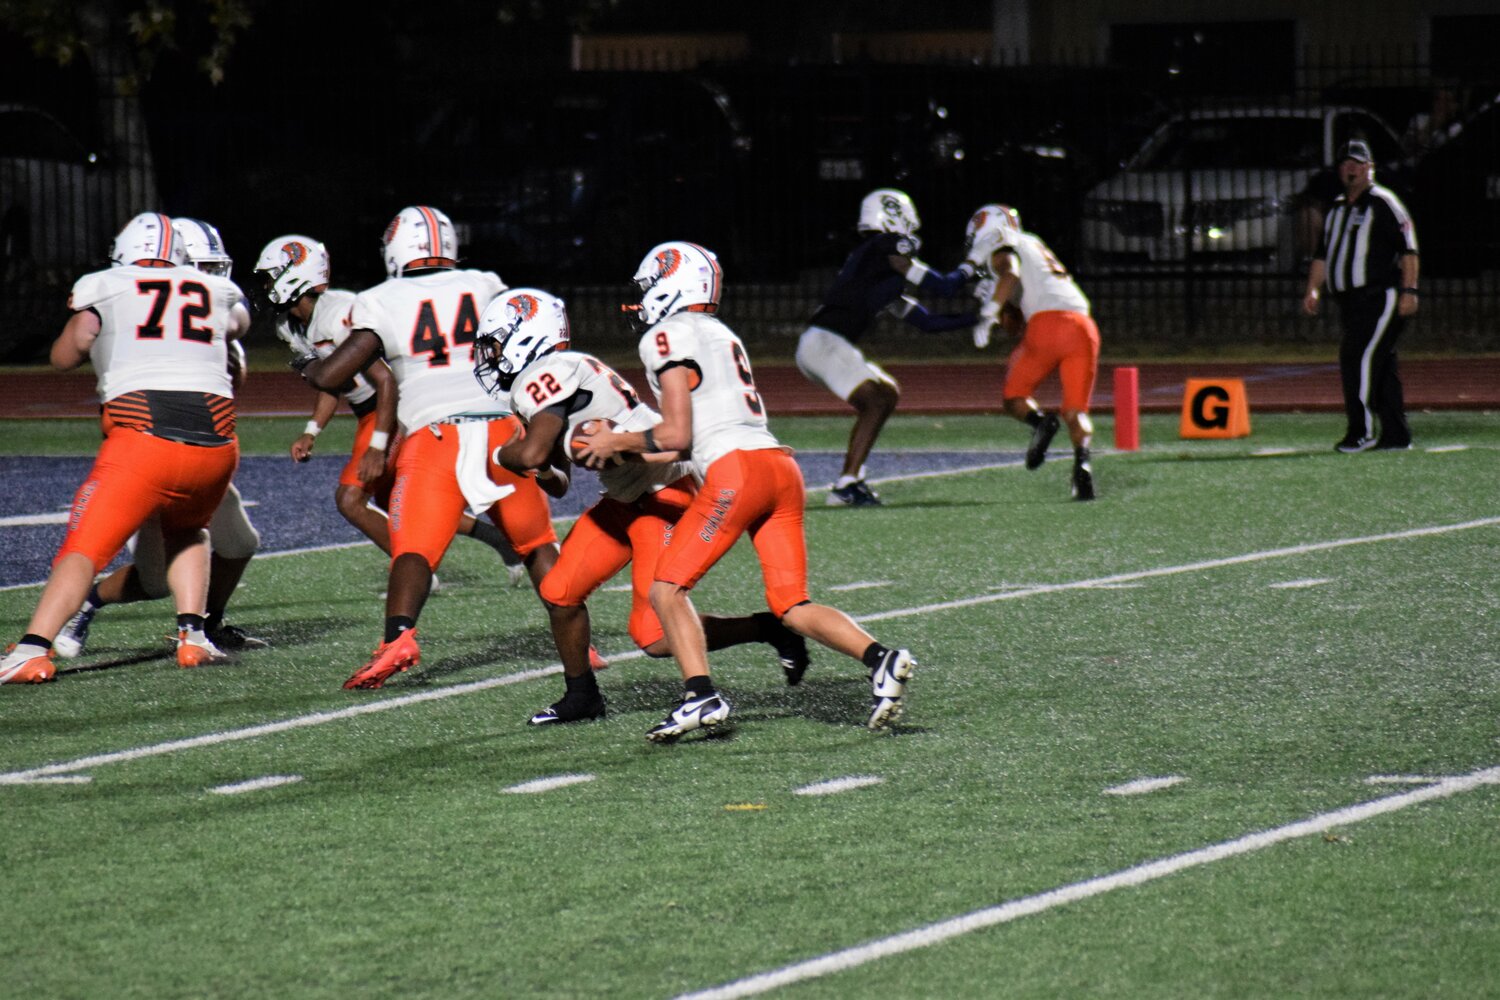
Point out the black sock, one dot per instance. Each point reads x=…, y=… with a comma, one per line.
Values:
x=582, y=686
x=490, y=535
x=874, y=654
x=93, y=602
x=699, y=687
x=1034, y=418
x=32, y=639
x=213, y=620
x=396, y=624
x=1080, y=455
x=766, y=625
x=189, y=623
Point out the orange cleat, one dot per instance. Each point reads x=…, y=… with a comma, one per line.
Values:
x=392, y=657
x=196, y=652
x=596, y=661
x=17, y=668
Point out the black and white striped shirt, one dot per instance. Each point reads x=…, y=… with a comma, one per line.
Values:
x=1363, y=242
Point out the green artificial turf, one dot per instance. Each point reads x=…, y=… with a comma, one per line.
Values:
x=1273, y=628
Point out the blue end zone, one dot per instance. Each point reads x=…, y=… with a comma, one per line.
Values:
x=293, y=508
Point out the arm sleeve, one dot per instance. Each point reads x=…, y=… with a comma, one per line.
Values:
x=914, y=313
x=946, y=285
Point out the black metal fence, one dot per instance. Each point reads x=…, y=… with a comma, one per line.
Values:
x=1187, y=209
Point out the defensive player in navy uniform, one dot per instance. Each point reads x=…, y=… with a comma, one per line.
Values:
x=873, y=278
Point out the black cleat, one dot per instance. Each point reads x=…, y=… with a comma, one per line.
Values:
x=791, y=650
x=856, y=494
x=235, y=638
x=569, y=709
x=1041, y=438
x=1083, y=481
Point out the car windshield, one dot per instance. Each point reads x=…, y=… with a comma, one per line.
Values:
x=1261, y=143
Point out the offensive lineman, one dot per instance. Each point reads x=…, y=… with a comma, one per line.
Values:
x=423, y=321
x=872, y=279
x=524, y=352
x=232, y=538
x=1058, y=334
x=155, y=330
x=750, y=485
x=312, y=318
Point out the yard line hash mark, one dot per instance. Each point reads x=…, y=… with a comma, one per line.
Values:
x=256, y=784
x=835, y=785
x=1140, y=786
x=548, y=784
x=1300, y=584
x=860, y=585
x=924, y=937
x=1401, y=779
x=401, y=701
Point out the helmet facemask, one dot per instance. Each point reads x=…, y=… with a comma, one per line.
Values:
x=515, y=329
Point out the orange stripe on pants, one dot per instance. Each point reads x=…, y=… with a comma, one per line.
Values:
x=137, y=475
x=755, y=493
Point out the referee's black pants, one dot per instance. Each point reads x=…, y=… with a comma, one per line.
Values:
x=1373, y=401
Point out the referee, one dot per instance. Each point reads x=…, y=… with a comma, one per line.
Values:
x=1368, y=257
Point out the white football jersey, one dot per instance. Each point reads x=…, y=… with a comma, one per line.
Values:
x=427, y=324
x=728, y=414
x=326, y=329
x=588, y=389
x=1045, y=283
x=162, y=328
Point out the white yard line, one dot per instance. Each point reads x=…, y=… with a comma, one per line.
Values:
x=1446, y=448
x=401, y=701
x=926, y=937
x=256, y=784
x=1140, y=786
x=835, y=785
x=1314, y=581
x=548, y=784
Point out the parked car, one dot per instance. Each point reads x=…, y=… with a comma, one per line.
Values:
x=1224, y=189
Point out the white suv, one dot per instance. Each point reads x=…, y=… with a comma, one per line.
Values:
x=1221, y=189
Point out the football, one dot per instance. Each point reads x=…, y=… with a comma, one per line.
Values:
x=586, y=429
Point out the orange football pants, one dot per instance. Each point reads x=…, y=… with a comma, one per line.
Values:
x=136, y=475
x=1061, y=340
x=607, y=536
x=427, y=504
x=380, y=489
x=759, y=493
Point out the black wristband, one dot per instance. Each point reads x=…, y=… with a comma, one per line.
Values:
x=650, y=440
x=1408, y=291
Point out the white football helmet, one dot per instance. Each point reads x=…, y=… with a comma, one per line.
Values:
x=886, y=210
x=147, y=237
x=203, y=245
x=291, y=266
x=419, y=237
x=517, y=327
x=673, y=277
x=992, y=225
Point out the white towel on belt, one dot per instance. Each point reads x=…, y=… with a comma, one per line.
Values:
x=472, y=468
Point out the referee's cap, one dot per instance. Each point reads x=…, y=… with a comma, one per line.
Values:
x=1357, y=150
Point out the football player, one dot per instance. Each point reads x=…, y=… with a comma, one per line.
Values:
x=524, y=354
x=422, y=321
x=156, y=331
x=749, y=485
x=872, y=280
x=312, y=318
x=1058, y=333
x=232, y=538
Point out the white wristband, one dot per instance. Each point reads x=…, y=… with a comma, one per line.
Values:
x=916, y=272
x=378, y=440
x=312, y=429
x=990, y=311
